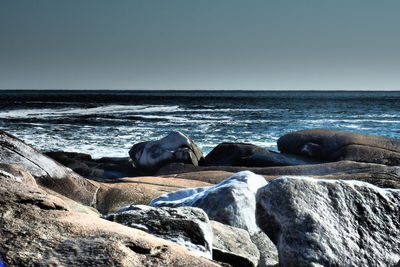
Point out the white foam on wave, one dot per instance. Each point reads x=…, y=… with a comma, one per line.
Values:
x=109, y=109
x=348, y=121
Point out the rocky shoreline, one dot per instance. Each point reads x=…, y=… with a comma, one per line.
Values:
x=328, y=198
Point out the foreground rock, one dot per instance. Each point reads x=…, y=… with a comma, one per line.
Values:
x=233, y=246
x=175, y=147
x=230, y=202
x=377, y=174
x=248, y=155
x=16, y=173
x=331, y=223
x=336, y=145
x=186, y=226
x=46, y=171
x=38, y=230
x=104, y=168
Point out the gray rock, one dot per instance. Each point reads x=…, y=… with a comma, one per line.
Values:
x=248, y=155
x=233, y=245
x=333, y=145
x=186, y=226
x=330, y=222
x=230, y=202
x=46, y=171
x=268, y=251
x=175, y=147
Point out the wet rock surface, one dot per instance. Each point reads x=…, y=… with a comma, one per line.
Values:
x=330, y=222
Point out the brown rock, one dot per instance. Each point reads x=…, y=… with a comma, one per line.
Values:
x=37, y=230
x=138, y=190
x=17, y=173
x=336, y=145
x=377, y=174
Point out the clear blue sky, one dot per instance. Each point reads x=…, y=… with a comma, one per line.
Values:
x=205, y=44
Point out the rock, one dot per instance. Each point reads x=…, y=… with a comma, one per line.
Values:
x=37, y=230
x=46, y=171
x=248, y=155
x=268, y=251
x=211, y=177
x=230, y=154
x=377, y=174
x=330, y=222
x=231, y=202
x=175, y=147
x=334, y=145
x=138, y=190
x=16, y=173
x=186, y=226
x=104, y=168
x=233, y=246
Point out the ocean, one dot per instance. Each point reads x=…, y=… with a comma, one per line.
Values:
x=106, y=123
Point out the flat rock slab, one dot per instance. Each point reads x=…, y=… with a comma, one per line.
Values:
x=377, y=174
x=138, y=190
x=330, y=222
x=186, y=226
x=336, y=145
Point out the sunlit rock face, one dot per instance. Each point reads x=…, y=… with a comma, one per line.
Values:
x=316, y=222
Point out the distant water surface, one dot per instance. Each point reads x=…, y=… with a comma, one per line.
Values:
x=108, y=123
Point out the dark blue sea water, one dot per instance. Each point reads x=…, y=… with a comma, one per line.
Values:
x=108, y=123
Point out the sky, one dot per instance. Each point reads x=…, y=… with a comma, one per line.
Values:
x=205, y=44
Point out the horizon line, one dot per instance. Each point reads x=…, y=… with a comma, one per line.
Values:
x=173, y=90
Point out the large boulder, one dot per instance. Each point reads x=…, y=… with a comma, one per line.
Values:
x=186, y=226
x=330, y=222
x=103, y=168
x=46, y=171
x=233, y=246
x=37, y=229
x=230, y=202
x=333, y=145
x=249, y=155
x=175, y=147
